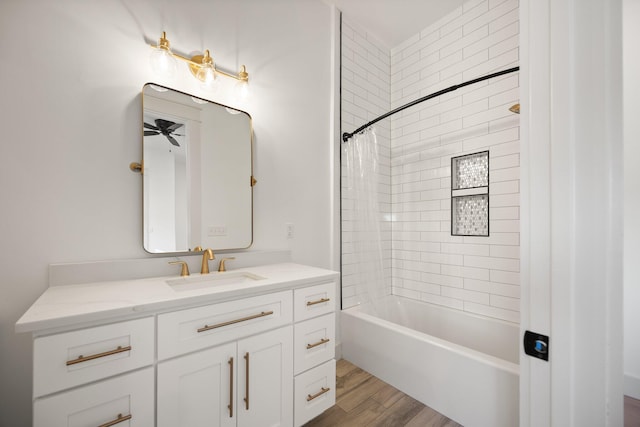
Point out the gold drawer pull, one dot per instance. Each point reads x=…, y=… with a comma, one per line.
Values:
x=320, y=301
x=322, y=341
x=246, y=385
x=82, y=358
x=118, y=420
x=318, y=394
x=230, y=406
x=231, y=322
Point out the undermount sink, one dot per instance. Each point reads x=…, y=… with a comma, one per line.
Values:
x=214, y=279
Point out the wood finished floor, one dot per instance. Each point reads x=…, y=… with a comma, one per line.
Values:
x=362, y=399
x=631, y=412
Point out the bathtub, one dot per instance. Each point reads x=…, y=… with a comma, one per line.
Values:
x=462, y=365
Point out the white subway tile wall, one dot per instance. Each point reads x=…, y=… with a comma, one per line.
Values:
x=474, y=274
x=365, y=88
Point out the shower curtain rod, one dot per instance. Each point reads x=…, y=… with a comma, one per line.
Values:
x=347, y=135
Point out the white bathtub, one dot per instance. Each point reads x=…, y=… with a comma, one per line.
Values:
x=463, y=366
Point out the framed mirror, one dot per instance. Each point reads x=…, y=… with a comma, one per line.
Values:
x=197, y=173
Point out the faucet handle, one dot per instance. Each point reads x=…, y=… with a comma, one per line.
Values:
x=221, y=266
x=184, y=271
x=197, y=249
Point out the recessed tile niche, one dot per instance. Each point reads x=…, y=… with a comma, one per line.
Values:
x=470, y=195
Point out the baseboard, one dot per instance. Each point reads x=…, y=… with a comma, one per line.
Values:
x=632, y=386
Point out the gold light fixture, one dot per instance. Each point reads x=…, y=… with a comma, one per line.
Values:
x=203, y=67
x=515, y=109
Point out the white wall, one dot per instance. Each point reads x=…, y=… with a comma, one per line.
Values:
x=631, y=70
x=70, y=79
x=474, y=274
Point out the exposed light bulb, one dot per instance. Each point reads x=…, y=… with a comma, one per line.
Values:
x=207, y=73
x=161, y=59
x=242, y=89
x=207, y=76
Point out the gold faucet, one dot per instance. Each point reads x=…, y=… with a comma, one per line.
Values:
x=206, y=256
x=221, y=266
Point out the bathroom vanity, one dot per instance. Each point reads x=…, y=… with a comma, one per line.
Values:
x=241, y=348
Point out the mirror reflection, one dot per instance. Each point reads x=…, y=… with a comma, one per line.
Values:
x=197, y=173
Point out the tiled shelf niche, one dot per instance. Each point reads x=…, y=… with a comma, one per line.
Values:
x=470, y=195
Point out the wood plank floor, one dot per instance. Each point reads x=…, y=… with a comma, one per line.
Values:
x=631, y=412
x=362, y=399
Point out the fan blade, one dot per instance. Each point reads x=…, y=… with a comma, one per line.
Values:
x=151, y=133
x=174, y=127
x=173, y=140
x=148, y=126
x=163, y=124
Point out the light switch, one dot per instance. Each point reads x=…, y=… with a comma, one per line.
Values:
x=217, y=230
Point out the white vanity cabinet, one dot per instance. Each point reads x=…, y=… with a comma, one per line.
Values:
x=232, y=357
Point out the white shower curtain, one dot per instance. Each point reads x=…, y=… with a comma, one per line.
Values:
x=360, y=159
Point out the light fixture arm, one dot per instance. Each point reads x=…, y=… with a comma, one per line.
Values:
x=197, y=62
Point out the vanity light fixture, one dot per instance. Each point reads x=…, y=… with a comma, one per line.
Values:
x=163, y=61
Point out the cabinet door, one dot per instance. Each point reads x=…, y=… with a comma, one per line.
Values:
x=198, y=389
x=265, y=379
x=125, y=401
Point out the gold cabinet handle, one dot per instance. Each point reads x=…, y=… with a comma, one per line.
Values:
x=231, y=322
x=230, y=388
x=320, y=301
x=322, y=341
x=118, y=420
x=318, y=394
x=82, y=358
x=246, y=393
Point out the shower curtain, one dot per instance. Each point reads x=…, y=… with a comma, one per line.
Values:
x=361, y=160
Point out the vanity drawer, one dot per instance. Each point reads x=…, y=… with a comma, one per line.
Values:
x=185, y=331
x=73, y=358
x=314, y=301
x=127, y=400
x=315, y=392
x=314, y=342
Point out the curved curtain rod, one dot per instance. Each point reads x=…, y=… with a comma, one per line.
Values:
x=347, y=135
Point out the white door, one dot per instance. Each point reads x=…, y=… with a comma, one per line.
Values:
x=265, y=379
x=198, y=390
x=571, y=211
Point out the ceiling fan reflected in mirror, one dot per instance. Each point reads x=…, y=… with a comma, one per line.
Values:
x=164, y=127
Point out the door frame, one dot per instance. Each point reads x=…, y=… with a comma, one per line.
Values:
x=571, y=211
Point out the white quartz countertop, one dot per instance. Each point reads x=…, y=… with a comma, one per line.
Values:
x=73, y=305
